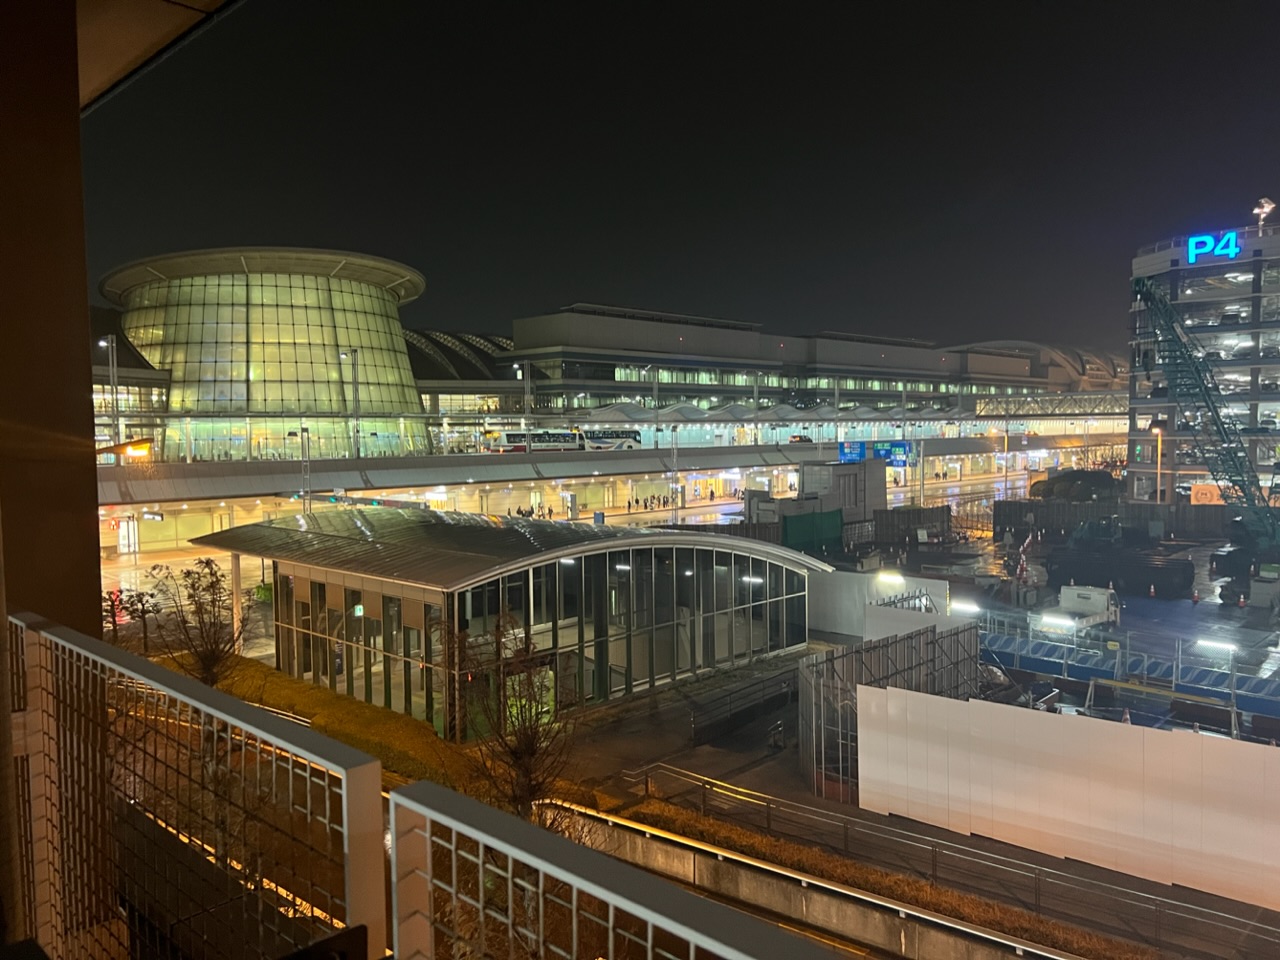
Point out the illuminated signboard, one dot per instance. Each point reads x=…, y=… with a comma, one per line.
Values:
x=897, y=452
x=1207, y=245
x=853, y=451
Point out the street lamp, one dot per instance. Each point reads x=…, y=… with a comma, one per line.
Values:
x=1005, y=494
x=109, y=341
x=1159, y=461
x=675, y=477
x=355, y=393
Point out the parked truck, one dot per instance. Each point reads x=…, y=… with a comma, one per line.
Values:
x=1079, y=611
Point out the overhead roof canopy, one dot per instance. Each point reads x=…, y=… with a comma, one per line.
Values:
x=405, y=282
x=452, y=551
x=114, y=38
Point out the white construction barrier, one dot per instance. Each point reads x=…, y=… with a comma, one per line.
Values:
x=1166, y=805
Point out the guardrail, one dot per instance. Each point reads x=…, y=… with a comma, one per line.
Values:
x=1013, y=945
x=1108, y=908
x=709, y=720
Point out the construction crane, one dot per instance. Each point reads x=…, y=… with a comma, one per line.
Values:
x=1164, y=342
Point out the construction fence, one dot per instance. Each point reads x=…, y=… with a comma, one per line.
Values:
x=1058, y=517
x=943, y=662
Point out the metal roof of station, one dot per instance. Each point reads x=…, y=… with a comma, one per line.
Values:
x=451, y=551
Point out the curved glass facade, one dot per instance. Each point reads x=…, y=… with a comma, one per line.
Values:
x=273, y=343
x=606, y=624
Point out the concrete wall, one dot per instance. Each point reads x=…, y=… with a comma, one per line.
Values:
x=857, y=489
x=1169, y=806
x=840, y=910
x=838, y=601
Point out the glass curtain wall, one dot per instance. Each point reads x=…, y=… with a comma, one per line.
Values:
x=606, y=624
x=276, y=344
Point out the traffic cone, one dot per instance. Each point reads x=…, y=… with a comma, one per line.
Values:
x=1241, y=603
x=1152, y=591
x=1195, y=596
x=1125, y=718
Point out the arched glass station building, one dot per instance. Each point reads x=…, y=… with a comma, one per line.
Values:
x=268, y=348
x=372, y=603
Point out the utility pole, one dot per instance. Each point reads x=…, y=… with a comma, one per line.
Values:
x=355, y=394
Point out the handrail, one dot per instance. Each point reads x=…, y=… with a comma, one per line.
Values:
x=904, y=910
x=1128, y=895
x=129, y=683
x=722, y=707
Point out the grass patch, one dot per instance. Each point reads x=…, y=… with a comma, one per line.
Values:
x=407, y=747
x=970, y=908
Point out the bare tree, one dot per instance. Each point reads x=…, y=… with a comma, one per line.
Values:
x=197, y=632
x=522, y=755
x=141, y=606
x=112, y=614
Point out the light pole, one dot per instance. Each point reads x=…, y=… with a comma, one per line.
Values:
x=675, y=476
x=755, y=411
x=1005, y=494
x=355, y=394
x=1159, y=462
x=654, y=374
x=109, y=341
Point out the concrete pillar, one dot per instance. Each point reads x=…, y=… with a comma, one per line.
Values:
x=48, y=487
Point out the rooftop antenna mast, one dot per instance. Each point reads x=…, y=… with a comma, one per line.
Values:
x=1262, y=210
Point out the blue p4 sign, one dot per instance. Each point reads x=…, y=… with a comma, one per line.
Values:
x=1207, y=245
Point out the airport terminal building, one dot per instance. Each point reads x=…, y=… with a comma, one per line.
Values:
x=402, y=608
x=256, y=353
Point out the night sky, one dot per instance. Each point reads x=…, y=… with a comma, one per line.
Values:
x=885, y=169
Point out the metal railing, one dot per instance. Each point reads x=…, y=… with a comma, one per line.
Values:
x=159, y=816
x=168, y=816
x=469, y=880
x=1105, y=907
x=710, y=719
x=1016, y=945
x=1116, y=663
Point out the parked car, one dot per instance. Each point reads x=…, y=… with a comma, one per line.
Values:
x=800, y=438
